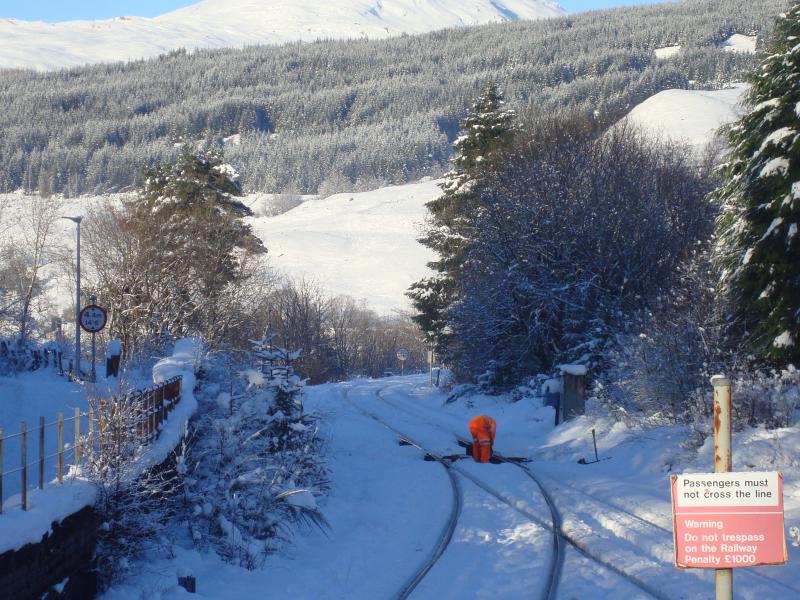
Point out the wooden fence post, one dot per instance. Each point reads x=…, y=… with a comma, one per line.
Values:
x=41, y=453
x=151, y=411
x=101, y=419
x=159, y=406
x=60, y=447
x=77, y=437
x=24, y=456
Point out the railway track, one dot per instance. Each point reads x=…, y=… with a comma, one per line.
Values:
x=556, y=559
x=553, y=524
x=645, y=523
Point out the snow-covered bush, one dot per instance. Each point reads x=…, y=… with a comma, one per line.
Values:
x=134, y=505
x=656, y=368
x=255, y=468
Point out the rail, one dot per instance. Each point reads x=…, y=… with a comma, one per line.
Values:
x=68, y=439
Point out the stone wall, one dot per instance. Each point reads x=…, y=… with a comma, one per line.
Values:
x=63, y=556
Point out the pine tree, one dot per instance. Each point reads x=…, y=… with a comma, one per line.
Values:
x=486, y=129
x=189, y=247
x=757, y=244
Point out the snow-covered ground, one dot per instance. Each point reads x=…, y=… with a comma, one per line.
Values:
x=690, y=116
x=387, y=508
x=358, y=244
x=25, y=398
x=238, y=23
x=745, y=44
x=667, y=52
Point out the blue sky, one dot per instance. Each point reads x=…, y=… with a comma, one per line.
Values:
x=65, y=10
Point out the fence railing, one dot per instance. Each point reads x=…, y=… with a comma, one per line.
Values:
x=68, y=439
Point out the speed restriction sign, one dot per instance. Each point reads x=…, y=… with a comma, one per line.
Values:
x=93, y=318
x=402, y=354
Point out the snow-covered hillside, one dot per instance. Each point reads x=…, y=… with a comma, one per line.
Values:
x=362, y=245
x=236, y=23
x=690, y=116
x=359, y=244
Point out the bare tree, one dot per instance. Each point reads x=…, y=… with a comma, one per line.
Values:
x=24, y=259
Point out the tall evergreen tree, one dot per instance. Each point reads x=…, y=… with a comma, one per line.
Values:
x=758, y=246
x=175, y=259
x=486, y=129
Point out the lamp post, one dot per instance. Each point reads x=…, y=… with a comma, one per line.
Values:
x=77, y=221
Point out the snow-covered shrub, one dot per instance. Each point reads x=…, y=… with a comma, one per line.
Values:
x=769, y=396
x=659, y=371
x=134, y=505
x=14, y=357
x=665, y=358
x=255, y=468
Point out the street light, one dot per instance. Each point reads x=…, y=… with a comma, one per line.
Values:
x=77, y=221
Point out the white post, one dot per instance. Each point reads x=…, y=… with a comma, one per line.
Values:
x=722, y=461
x=78, y=299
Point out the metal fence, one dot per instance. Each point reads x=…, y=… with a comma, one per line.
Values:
x=44, y=452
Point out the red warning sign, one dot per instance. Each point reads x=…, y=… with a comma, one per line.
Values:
x=728, y=520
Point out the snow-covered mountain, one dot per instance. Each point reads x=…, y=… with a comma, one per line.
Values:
x=237, y=23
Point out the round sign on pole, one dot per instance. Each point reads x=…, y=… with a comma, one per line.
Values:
x=402, y=354
x=93, y=318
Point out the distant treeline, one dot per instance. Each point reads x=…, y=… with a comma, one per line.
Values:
x=333, y=116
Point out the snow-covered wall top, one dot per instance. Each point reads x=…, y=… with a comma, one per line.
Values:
x=236, y=23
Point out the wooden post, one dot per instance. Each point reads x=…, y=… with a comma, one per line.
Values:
x=60, y=447
x=152, y=412
x=91, y=423
x=41, y=453
x=101, y=423
x=1, y=471
x=163, y=404
x=148, y=411
x=722, y=462
x=158, y=395
x=77, y=437
x=24, y=456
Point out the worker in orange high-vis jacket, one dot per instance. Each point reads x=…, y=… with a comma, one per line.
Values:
x=482, y=429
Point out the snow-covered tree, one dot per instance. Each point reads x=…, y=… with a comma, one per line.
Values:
x=486, y=129
x=179, y=258
x=255, y=466
x=23, y=258
x=758, y=245
x=575, y=231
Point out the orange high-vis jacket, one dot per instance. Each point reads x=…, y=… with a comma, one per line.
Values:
x=482, y=429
